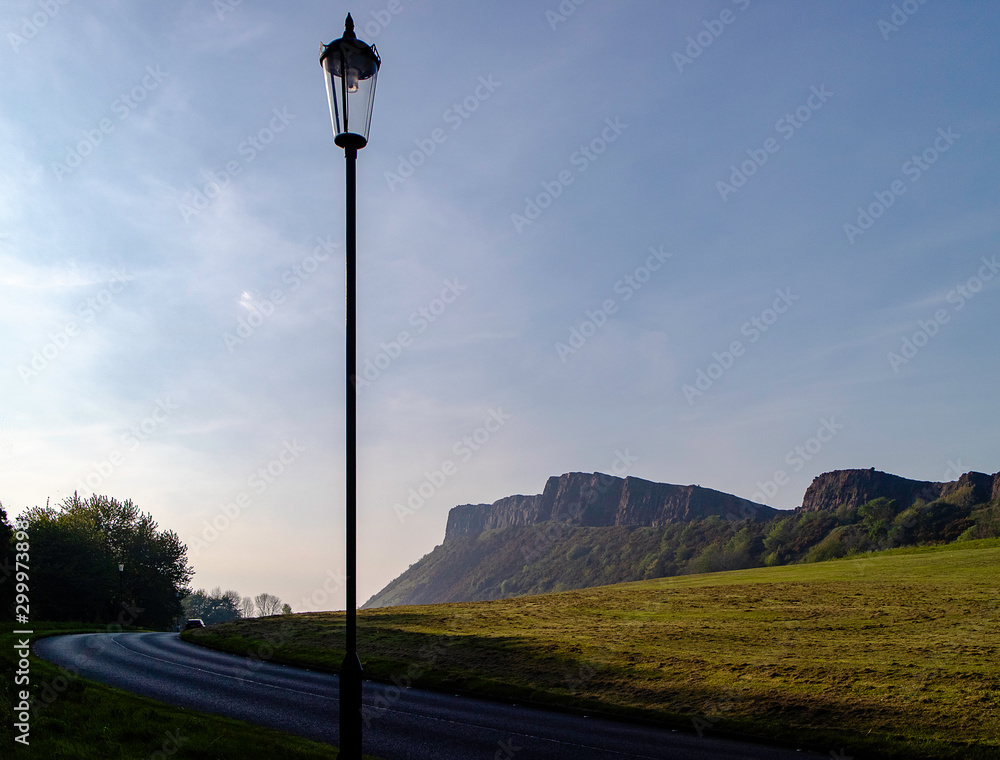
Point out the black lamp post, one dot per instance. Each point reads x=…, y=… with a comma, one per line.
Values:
x=351, y=68
x=121, y=583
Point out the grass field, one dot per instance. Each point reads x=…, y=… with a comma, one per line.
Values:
x=894, y=654
x=88, y=721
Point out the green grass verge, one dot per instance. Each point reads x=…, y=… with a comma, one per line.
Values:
x=894, y=654
x=90, y=721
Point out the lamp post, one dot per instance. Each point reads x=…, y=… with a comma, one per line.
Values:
x=121, y=583
x=351, y=68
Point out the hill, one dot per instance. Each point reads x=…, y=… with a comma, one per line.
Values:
x=891, y=654
x=587, y=530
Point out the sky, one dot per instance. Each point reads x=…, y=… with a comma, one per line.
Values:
x=728, y=243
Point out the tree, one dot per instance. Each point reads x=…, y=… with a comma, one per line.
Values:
x=876, y=515
x=247, y=607
x=8, y=576
x=267, y=604
x=232, y=600
x=286, y=609
x=76, y=551
x=213, y=606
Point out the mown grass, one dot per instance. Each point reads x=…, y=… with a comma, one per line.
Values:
x=89, y=721
x=894, y=654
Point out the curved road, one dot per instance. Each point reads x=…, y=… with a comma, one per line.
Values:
x=407, y=724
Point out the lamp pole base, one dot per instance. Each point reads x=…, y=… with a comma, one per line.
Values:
x=350, y=707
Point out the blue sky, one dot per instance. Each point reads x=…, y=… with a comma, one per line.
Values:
x=736, y=244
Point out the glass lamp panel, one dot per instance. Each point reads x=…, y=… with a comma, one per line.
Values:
x=351, y=68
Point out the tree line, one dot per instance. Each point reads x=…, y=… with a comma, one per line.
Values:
x=218, y=606
x=101, y=560
x=98, y=560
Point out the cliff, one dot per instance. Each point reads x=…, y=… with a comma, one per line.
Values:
x=852, y=488
x=597, y=500
x=591, y=529
x=473, y=519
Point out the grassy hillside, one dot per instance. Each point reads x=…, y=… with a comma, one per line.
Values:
x=556, y=557
x=895, y=653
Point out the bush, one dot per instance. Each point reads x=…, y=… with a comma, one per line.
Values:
x=877, y=515
x=843, y=540
x=985, y=523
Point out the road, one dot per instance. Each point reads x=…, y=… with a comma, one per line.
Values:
x=401, y=724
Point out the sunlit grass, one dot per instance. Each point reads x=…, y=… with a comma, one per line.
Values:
x=895, y=653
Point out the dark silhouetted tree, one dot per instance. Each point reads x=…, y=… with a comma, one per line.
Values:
x=215, y=606
x=8, y=574
x=76, y=551
x=247, y=608
x=267, y=604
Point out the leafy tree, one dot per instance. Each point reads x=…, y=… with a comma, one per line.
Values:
x=267, y=604
x=286, y=609
x=7, y=566
x=986, y=522
x=73, y=577
x=76, y=551
x=215, y=606
x=877, y=515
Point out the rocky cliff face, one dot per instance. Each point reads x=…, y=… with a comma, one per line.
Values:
x=473, y=519
x=597, y=500
x=855, y=487
x=592, y=529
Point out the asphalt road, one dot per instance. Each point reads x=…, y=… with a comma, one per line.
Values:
x=401, y=724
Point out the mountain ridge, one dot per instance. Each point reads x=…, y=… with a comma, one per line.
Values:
x=589, y=529
x=599, y=500
x=855, y=487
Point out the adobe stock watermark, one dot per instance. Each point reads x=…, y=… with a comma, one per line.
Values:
x=626, y=287
x=901, y=14
x=732, y=696
x=87, y=313
x=32, y=26
x=506, y=750
x=131, y=439
x=261, y=309
x=753, y=329
x=8, y=459
x=50, y=690
x=455, y=116
x=798, y=456
x=262, y=478
x=580, y=160
x=332, y=582
x=372, y=27
x=373, y=367
x=122, y=107
x=387, y=695
x=171, y=745
x=928, y=329
x=463, y=449
x=223, y=8
x=786, y=126
x=954, y=471
x=912, y=169
x=248, y=150
x=703, y=39
x=560, y=14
